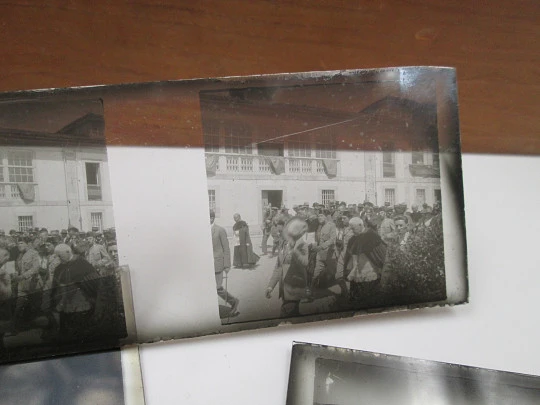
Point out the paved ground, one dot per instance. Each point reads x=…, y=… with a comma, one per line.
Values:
x=249, y=286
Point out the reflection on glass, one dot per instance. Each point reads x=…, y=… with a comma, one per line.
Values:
x=78, y=380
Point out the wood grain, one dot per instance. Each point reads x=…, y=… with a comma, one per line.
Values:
x=495, y=46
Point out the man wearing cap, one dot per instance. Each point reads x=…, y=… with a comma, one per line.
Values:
x=274, y=231
x=222, y=262
x=325, y=239
x=29, y=281
x=43, y=235
x=338, y=213
x=285, y=216
x=73, y=236
x=344, y=234
x=387, y=228
x=76, y=292
x=266, y=228
x=415, y=216
x=97, y=255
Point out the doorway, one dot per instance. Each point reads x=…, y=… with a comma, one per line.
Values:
x=272, y=197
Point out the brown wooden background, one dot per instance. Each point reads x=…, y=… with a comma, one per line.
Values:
x=495, y=46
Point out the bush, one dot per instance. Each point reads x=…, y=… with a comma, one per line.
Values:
x=415, y=272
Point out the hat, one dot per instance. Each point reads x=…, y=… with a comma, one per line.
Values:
x=25, y=239
x=296, y=228
x=275, y=208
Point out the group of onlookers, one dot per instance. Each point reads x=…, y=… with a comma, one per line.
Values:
x=337, y=249
x=55, y=280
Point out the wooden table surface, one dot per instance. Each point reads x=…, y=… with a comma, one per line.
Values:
x=495, y=46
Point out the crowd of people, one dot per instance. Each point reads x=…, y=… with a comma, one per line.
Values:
x=342, y=250
x=61, y=282
x=355, y=253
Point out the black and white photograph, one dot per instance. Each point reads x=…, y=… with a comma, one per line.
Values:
x=324, y=197
x=346, y=377
x=261, y=200
x=104, y=378
x=61, y=285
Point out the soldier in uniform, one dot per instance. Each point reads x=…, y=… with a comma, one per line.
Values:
x=266, y=228
x=325, y=239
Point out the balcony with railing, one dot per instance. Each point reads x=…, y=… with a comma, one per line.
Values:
x=426, y=171
x=17, y=192
x=94, y=192
x=222, y=163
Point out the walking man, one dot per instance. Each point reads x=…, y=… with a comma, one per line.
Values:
x=222, y=263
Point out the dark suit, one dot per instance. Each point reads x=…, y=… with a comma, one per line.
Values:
x=222, y=261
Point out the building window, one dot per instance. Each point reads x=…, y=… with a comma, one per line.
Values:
x=299, y=149
x=96, y=220
x=212, y=199
x=20, y=167
x=420, y=196
x=328, y=196
x=389, y=165
x=26, y=222
x=93, y=182
x=211, y=136
x=325, y=147
x=438, y=195
x=418, y=158
x=390, y=196
x=237, y=139
x=436, y=160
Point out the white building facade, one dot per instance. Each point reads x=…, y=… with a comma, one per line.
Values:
x=291, y=146
x=246, y=184
x=54, y=187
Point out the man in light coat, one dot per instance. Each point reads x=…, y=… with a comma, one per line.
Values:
x=222, y=263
